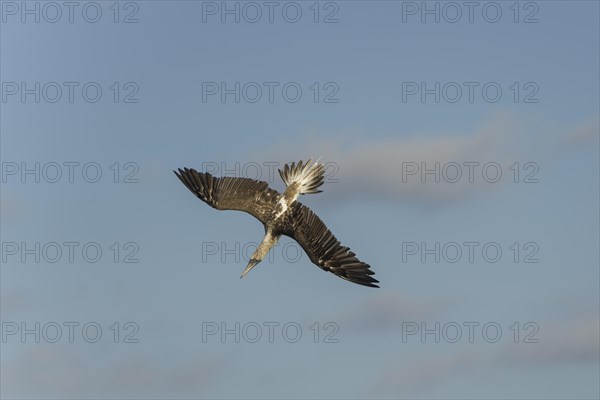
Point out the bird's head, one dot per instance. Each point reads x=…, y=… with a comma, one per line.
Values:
x=251, y=264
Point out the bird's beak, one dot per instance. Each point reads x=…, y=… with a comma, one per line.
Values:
x=253, y=262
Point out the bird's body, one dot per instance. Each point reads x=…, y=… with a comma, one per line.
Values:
x=282, y=214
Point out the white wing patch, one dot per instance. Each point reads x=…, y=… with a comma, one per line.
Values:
x=282, y=206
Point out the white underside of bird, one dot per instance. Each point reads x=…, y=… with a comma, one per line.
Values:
x=282, y=214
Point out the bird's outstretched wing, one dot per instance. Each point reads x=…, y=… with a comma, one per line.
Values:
x=323, y=248
x=227, y=193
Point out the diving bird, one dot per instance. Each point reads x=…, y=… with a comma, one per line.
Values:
x=281, y=214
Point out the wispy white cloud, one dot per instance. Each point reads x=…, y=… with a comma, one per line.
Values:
x=416, y=375
x=388, y=311
x=570, y=341
x=586, y=133
x=11, y=206
x=560, y=343
x=13, y=303
x=68, y=371
x=383, y=167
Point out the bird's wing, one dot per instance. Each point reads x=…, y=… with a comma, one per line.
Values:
x=323, y=248
x=228, y=193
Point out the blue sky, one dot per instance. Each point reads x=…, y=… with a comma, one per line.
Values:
x=359, y=111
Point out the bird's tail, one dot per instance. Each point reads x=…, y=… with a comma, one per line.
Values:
x=308, y=176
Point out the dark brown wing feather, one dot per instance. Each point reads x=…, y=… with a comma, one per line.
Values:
x=323, y=248
x=228, y=193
